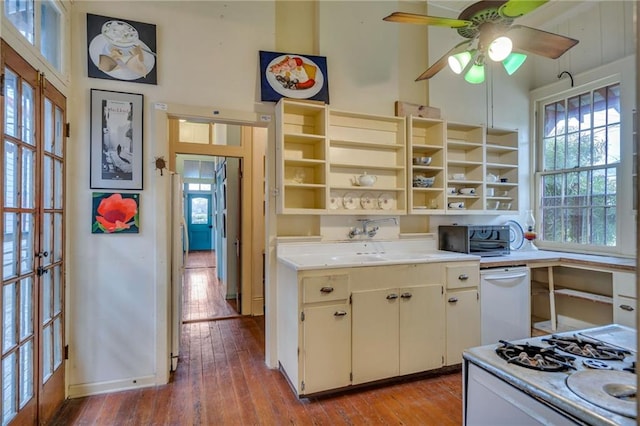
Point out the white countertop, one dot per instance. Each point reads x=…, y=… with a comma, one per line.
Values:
x=530, y=258
x=318, y=255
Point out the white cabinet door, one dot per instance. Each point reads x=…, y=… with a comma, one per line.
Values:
x=624, y=299
x=463, y=323
x=326, y=348
x=375, y=334
x=421, y=328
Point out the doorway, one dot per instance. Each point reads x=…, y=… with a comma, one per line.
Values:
x=212, y=187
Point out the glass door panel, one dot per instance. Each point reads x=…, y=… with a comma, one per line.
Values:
x=32, y=223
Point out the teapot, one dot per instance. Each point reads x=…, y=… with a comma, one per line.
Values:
x=365, y=180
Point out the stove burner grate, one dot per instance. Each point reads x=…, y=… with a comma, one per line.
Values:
x=586, y=347
x=534, y=357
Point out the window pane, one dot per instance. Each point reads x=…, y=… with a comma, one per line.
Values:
x=26, y=308
x=11, y=170
x=20, y=13
x=47, y=238
x=194, y=187
x=190, y=132
x=10, y=103
x=45, y=295
x=26, y=373
x=207, y=170
x=28, y=176
x=57, y=290
x=57, y=237
x=57, y=181
x=205, y=187
x=613, y=144
x=28, y=114
x=47, y=359
x=47, y=181
x=58, y=145
x=27, y=238
x=9, y=311
x=199, y=211
x=48, y=126
x=50, y=33
x=10, y=245
x=191, y=169
x=57, y=343
x=9, y=385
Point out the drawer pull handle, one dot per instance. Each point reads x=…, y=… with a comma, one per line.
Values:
x=340, y=313
x=463, y=277
x=453, y=299
x=406, y=295
x=392, y=296
x=326, y=289
x=626, y=308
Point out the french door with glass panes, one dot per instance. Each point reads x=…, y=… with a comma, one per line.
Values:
x=32, y=223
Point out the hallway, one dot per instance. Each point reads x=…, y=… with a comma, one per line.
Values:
x=203, y=295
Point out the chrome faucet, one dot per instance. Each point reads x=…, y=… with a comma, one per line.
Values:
x=370, y=231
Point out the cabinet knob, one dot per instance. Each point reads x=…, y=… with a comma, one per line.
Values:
x=339, y=313
x=463, y=277
x=406, y=295
x=453, y=299
x=626, y=308
x=326, y=289
x=392, y=296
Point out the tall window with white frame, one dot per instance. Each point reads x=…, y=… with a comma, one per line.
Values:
x=579, y=161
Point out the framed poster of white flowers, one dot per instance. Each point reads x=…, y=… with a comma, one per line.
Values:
x=116, y=140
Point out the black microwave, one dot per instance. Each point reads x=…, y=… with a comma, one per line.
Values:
x=480, y=240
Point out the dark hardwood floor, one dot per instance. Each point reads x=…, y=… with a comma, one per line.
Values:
x=222, y=379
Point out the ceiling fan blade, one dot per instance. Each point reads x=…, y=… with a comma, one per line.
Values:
x=516, y=8
x=540, y=42
x=412, y=18
x=442, y=62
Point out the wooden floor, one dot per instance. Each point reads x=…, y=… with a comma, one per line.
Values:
x=203, y=295
x=222, y=379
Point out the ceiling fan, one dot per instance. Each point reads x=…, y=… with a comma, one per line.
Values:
x=489, y=31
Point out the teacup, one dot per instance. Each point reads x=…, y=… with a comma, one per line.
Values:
x=468, y=191
x=456, y=205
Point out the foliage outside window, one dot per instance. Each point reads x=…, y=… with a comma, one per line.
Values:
x=579, y=168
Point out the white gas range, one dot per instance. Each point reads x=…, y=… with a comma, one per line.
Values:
x=587, y=377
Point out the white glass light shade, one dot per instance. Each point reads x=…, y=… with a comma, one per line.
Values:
x=500, y=48
x=513, y=62
x=475, y=75
x=459, y=61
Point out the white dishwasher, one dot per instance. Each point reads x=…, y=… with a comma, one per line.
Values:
x=505, y=304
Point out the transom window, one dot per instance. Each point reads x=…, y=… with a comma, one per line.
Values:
x=40, y=23
x=579, y=167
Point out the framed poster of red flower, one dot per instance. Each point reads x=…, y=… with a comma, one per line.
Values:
x=116, y=140
x=115, y=213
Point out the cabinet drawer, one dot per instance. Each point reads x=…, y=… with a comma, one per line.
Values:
x=624, y=284
x=463, y=275
x=325, y=287
x=624, y=311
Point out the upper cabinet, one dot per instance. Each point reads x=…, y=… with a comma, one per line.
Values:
x=427, y=160
x=501, y=170
x=339, y=162
x=301, y=152
x=367, y=163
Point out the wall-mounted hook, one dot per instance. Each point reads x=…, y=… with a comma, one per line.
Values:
x=569, y=74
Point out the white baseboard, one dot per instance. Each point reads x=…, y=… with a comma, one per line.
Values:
x=77, y=391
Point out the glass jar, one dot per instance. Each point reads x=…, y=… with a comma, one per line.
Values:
x=529, y=231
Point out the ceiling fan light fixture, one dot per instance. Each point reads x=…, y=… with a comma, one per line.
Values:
x=500, y=48
x=513, y=62
x=475, y=75
x=459, y=61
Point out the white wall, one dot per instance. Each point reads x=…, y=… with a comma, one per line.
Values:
x=208, y=56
